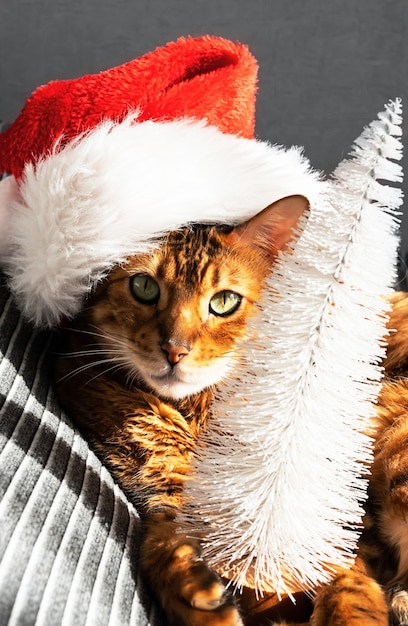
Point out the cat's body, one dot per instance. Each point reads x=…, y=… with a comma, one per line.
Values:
x=136, y=371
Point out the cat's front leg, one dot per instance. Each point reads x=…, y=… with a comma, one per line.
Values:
x=353, y=598
x=190, y=593
x=150, y=456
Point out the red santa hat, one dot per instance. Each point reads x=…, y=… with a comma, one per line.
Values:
x=102, y=165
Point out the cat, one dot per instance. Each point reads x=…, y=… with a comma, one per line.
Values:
x=136, y=370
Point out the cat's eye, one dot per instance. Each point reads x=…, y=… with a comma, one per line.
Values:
x=225, y=303
x=144, y=289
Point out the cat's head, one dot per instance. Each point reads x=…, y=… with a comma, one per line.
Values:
x=174, y=317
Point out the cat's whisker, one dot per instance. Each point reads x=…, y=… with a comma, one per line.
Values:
x=114, y=368
x=83, y=368
x=80, y=370
x=110, y=338
x=79, y=353
x=106, y=339
x=133, y=377
x=86, y=352
x=112, y=349
x=102, y=334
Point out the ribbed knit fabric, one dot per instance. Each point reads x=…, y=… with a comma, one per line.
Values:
x=68, y=537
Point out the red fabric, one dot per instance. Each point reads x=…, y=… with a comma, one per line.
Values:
x=205, y=78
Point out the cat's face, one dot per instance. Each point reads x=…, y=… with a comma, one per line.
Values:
x=174, y=318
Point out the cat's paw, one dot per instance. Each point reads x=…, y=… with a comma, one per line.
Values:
x=398, y=601
x=209, y=599
x=190, y=593
x=202, y=590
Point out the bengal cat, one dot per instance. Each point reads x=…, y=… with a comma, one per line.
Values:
x=136, y=370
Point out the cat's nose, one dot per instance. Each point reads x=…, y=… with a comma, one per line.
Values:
x=174, y=352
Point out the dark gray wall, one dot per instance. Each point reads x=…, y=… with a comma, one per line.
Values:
x=326, y=66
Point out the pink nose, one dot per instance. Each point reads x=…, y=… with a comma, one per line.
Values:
x=174, y=353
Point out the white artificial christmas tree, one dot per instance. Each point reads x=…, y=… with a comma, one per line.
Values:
x=277, y=489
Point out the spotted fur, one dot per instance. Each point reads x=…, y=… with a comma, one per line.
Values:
x=138, y=379
x=136, y=370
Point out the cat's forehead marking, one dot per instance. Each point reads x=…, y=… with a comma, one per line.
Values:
x=190, y=254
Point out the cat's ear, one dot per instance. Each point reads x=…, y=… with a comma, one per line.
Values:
x=273, y=228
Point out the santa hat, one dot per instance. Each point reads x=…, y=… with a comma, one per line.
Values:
x=102, y=165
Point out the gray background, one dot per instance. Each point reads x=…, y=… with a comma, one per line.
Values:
x=326, y=66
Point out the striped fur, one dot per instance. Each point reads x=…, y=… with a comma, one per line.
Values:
x=147, y=437
x=143, y=405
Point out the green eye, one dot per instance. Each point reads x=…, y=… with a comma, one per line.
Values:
x=144, y=289
x=225, y=303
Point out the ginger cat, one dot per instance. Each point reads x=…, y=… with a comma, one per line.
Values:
x=136, y=371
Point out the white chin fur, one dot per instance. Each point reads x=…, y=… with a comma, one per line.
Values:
x=174, y=389
x=182, y=383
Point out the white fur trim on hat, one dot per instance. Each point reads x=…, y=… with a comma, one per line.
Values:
x=109, y=193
